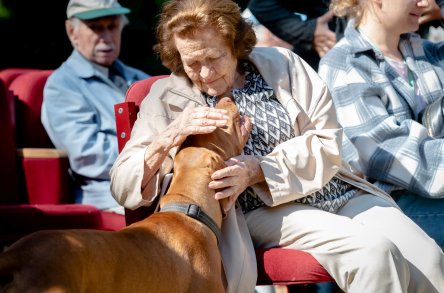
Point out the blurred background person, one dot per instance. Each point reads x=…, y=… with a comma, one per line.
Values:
x=431, y=21
x=79, y=97
x=265, y=38
x=308, y=26
x=382, y=77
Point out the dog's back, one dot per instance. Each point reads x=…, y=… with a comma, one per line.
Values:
x=158, y=254
x=166, y=252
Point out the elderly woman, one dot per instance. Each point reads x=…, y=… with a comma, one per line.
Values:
x=393, y=76
x=289, y=185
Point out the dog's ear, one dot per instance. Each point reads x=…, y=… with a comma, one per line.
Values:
x=245, y=129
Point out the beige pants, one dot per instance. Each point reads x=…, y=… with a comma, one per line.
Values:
x=368, y=246
x=238, y=258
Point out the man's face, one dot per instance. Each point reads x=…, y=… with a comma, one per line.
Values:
x=98, y=39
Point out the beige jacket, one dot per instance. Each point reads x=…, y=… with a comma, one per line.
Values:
x=293, y=170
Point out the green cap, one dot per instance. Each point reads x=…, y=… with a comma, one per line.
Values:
x=90, y=9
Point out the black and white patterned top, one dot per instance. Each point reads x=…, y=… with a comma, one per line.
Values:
x=272, y=126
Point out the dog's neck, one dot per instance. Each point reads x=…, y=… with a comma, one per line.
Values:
x=193, y=176
x=198, y=158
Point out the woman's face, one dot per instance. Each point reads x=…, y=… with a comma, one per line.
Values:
x=402, y=16
x=208, y=61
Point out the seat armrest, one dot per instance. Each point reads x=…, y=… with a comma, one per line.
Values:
x=44, y=174
x=126, y=115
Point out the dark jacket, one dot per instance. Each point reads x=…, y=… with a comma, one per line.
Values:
x=280, y=18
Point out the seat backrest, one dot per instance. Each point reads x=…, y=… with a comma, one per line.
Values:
x=9, y=74
x=27, y=89
x=41, y=172
x=126, y=114
x=8, y=166
x=138, y=90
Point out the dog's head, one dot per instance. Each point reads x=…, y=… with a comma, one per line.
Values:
x=201, y=155
x=233, y=137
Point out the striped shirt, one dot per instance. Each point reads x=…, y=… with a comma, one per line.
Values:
x=379, y=111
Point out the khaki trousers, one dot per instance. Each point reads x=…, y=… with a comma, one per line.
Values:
x=368, y=246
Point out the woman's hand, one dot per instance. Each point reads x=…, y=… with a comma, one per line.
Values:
x=195, y=120
x=241, y=172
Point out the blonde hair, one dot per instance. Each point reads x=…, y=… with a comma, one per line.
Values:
x=349, y=8
x=188, y=17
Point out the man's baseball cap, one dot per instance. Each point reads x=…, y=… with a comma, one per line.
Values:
x=90, y=9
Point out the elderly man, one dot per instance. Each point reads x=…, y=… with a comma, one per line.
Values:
x=79, y=97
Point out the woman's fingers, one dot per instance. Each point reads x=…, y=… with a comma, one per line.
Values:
x=224, y=184
x=209, y=113
x=200, y=120
x=195, y=120
x=205, y=116
x=232, y=169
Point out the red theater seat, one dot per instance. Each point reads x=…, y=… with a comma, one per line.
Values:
x=36, y=192
x=7, y=75
x=276, y=266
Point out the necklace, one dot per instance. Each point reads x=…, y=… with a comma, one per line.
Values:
x=403, y=70
x=410, y=77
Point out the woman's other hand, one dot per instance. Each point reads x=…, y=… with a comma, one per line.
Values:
x=239, y=173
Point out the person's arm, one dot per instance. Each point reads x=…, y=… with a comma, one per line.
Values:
x=433, y=12
x=311, y=34
x=140, y=168
x=305, y=163
x=284, y=23
x=398, y=152
x=323, y=39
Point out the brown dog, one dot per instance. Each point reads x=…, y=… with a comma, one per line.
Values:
x=166, y=252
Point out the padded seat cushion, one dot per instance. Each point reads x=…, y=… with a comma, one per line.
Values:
x=274, y=267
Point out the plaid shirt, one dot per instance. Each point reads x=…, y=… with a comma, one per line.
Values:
x=378, y=110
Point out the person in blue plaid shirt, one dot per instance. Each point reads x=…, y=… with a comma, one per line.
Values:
x=381, y=76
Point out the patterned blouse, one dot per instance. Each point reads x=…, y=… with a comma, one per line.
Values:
x=272, y=126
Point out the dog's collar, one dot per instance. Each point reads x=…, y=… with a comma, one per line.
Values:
x=195, y=212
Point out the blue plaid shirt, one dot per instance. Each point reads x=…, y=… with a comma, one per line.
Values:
x=379, y=111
